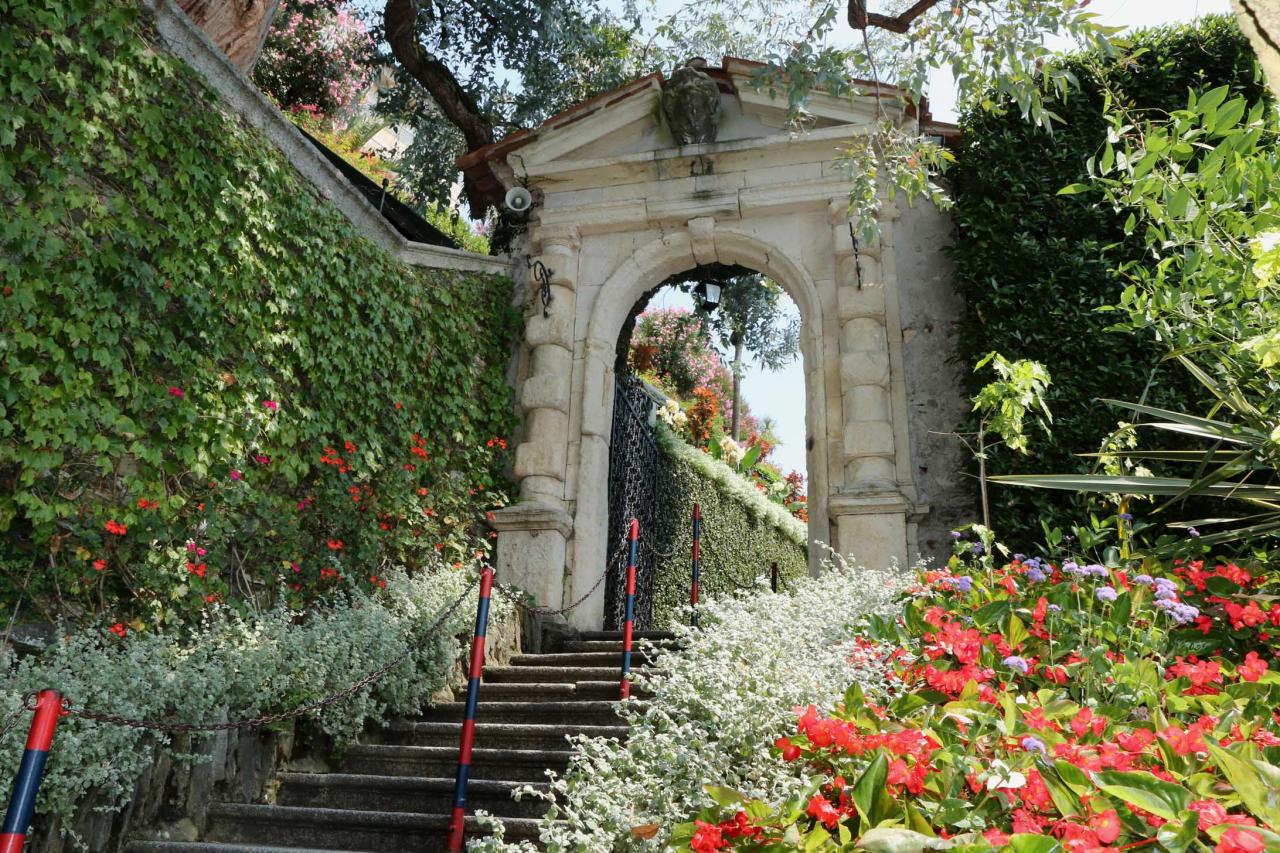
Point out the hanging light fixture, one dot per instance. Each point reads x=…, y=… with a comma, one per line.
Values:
x=708, y=295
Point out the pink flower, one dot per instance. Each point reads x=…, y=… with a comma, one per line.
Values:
x=175, y=391
x=236, y=475
x=270, y=404
x=262, y=460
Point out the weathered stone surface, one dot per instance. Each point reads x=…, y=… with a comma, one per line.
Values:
x=691, y=106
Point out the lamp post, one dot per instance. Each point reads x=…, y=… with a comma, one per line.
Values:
x=708, y=295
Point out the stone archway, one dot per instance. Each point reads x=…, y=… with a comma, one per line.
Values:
x=619, y=208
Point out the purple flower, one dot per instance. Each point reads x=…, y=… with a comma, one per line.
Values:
x=1192, y=532
x=1147, y=579
x=1096, y=571
x=977, y=548
x=1106, y=593
x=1072, y=568
x=956, y=534
x=1018, y=663
x=1033, y=744
x=1036, y=576
x=1180, y=613
x=1166, y=590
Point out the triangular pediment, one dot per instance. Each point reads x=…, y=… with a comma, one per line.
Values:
x=629, y=121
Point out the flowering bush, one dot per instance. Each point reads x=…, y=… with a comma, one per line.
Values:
x=214, y=388
x=1036, y=706
x=316, y=56
x=717, y=704
x=232, y=668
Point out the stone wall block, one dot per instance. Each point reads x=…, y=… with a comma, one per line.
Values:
x=863, y=334
x=536, y=458
x=868, y=438
x=555, y=329
x=542, y=490
x=867, y=302
x=869, y=472
x=864, y=368
x=866, y=403
x=546, y=391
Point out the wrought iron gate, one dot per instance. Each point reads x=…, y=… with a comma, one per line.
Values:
x=633, y=466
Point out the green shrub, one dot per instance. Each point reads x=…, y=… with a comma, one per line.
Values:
x=212, y=386
x=1034, y=266
x=742, y=531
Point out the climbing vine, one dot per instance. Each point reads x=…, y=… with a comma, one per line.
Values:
x=212, y=388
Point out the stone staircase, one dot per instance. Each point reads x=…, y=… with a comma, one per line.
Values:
x=394, y=790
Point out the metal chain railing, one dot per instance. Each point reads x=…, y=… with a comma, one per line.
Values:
x=515, y=597
x=263, y=720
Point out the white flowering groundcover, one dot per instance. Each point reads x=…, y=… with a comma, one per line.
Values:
x=717, y=705
x=234, y=668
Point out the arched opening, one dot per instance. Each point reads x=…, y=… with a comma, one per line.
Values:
x=709, y=408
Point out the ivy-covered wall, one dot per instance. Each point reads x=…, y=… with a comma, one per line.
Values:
x=1034, y=267
x=742, y=531
x=212, y=388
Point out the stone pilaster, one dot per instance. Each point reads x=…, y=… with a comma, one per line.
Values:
x=868, y=509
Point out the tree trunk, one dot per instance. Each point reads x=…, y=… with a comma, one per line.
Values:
x=736, y=340
x=238, y=27
x=1260, y=21
x=400, y=18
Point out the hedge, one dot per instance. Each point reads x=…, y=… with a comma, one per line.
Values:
x=212, y=387
x=743, y=531
x=1034, y=266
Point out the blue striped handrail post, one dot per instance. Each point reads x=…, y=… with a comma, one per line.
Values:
x=634, y=535
x=458, y=820
x=697, y=564
x=22, y=804
x=773, y=577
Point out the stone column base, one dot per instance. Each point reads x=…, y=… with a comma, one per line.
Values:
x=531, y=547
x=871, y=527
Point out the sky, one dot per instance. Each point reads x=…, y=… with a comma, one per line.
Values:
x=781, y=395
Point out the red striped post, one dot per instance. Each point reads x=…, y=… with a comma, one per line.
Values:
x=458, y=821
x=697, y=564
x=773, y=577
x=22, y=804
x=634, y=536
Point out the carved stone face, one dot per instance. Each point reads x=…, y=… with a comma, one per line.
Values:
x=691, y=106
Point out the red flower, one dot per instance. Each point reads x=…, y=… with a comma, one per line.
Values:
x=175, y=391
x=1253, y=667
x=1184, y=742
x=821, y=809
x=1106, y=825
x=99, y=565
x=116, y=528
x=790, y=752
x=1211, y=813
x=1239, y=840
x=707, y=839
x=118, y=629
x=335, y=544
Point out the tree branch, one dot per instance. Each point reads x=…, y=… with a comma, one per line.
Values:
x=400, y=17
x=860, y=18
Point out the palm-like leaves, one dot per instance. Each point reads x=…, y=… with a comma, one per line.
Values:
x=1239, y=465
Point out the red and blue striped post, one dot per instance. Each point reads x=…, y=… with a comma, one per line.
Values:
x=697, y=564
x=458, y=821
x=773, y=577
x=634, y=536
x=23, y=802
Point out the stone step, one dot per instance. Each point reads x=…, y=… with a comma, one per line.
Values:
x=433, y=795
x=591, y=659
x=209, y=847
x=343, y=829
x=551, y=674
x=549, y=736
x=617, y=635
x=520, y=765
x=612, y=646
x=532, y=691
x=587, y=712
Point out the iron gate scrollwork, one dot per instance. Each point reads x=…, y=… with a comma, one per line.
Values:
x=633, y=467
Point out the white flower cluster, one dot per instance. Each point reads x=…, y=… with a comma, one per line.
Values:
x=717, y=706
x=234, y=668
x=732, y=452
x=671, y=415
